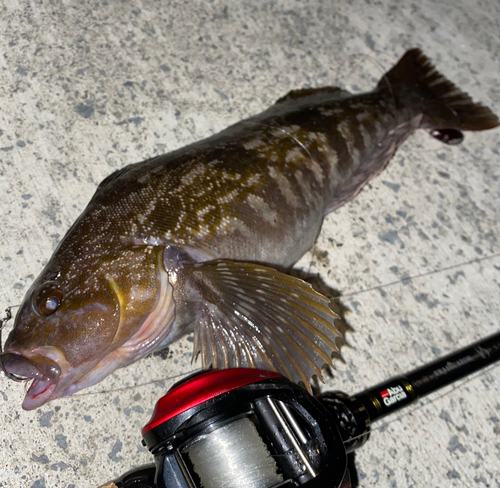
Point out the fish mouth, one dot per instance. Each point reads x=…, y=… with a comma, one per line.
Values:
x=42, y=371
x=52, y=376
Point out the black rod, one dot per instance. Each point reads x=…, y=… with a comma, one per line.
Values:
x=396, y=393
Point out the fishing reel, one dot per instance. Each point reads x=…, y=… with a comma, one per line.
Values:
x=247, y=428
x=241, y=428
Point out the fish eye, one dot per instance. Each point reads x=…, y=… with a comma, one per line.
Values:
x=52, y=303
x=48, y=298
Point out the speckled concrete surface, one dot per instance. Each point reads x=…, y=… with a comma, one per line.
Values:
x=88, y=87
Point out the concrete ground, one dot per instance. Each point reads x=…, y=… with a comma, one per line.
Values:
x=88, y=87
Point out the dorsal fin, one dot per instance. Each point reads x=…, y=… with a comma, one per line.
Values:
x=313, y=95
x=113, y=176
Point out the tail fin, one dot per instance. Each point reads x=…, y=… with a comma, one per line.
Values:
x=415, y=81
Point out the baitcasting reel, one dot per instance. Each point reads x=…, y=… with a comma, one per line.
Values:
x=240, y=428
x=246, y=428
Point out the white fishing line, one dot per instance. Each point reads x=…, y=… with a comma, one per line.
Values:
x=333, y=299
x=416, y=276
x=233, y=456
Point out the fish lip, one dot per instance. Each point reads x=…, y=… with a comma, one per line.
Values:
x=45, y=366
x=43, y=372
x=21, y=367
x=39, y=393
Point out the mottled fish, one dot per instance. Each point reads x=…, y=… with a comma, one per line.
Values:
x=191, y=240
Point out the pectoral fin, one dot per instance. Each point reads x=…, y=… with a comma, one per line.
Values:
x=254, y=316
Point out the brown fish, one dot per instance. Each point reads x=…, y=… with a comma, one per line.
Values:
x=188, y=241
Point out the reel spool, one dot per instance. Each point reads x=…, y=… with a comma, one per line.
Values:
x=239, y=450
x=243, y=428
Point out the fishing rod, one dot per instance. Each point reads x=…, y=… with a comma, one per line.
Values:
x=243, y=428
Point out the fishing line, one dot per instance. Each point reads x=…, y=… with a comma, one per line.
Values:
x=368, y=57
x=346, y=295
x=138, y=385
x=240, y=449
x=419, y=275
x=359, y=60
x=281, y=129
x=3, y=321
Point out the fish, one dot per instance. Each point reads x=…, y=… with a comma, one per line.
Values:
x=199, y=240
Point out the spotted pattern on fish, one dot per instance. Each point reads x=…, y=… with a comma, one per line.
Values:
x=189, y=241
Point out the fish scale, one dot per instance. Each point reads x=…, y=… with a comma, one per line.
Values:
x=197, y=240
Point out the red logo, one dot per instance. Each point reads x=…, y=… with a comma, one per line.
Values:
x=392, y=395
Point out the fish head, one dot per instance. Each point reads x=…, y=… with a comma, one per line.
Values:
x=79, y=323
